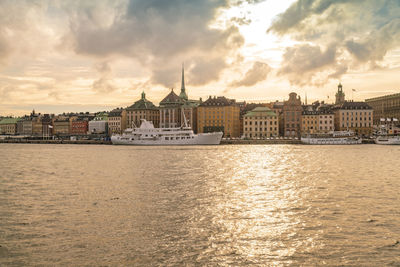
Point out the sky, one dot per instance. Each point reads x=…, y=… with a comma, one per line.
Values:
x=70, y=56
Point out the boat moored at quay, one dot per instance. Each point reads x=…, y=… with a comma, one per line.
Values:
x=147, y=135
x=332, y=138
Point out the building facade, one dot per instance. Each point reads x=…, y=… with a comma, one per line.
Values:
x=117, y=121
x=176, y=111
x=141, y=109
x=387, y=106
x=79, y=126
x=61, y=126
x=317, y=119
x=292, y=110
x=261, y=122
x=354, y=116
x=8, y=126
x=219, y=114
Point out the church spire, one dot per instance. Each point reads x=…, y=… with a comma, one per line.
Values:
x=183, y=89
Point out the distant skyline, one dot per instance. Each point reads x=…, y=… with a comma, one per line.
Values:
x=62, y=56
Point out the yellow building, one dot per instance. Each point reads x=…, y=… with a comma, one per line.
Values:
x=317, y=122
x=219, y=114
x=117, y=121
x=260, y=122
x=309, y=122
x=354, y=116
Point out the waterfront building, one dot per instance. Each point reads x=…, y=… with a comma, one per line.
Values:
x=99, y=125
x=79, y=126
x=141, y=109
x=9, y=126
x=19, y=126
x=172, y=108
x=317, y=118
x=277, y=107
x=292, y=110
x=260, y=122
x=387, y=106
x=340, y=96
x=117, y=121
x=219, y=114
x=61, y=126
x=309, y=121
x=245, y=108
x=37, y=126
x=354, y=116
x=27, y=126
x=47, y=125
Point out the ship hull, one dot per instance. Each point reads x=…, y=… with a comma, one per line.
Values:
x=385, y=140
x=331, y=141
x=199, y=139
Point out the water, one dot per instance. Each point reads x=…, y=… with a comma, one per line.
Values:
x=209, y=206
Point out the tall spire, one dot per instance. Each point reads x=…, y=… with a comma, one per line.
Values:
x=183, y=89
x=183, y=78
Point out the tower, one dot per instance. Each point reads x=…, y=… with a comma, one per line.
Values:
x=183, y=89
x=339, y=95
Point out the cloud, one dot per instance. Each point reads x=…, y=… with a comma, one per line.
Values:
x=257, y=73
x=362, y=33
x=20, y=29
x=104, y=84
x=301, y=62
x=156, y=33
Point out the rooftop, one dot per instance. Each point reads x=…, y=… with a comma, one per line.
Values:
x=260, y=111
x=353, y=105
x=218, y=101
x=9, y=120
x=171, y=98
x=142, y=103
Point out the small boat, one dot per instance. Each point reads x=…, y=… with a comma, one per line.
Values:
x=147, y=135
x=332, y=138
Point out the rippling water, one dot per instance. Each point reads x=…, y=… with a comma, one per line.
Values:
x=212, y=205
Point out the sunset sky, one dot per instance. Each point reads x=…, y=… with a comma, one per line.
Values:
x=58, y=56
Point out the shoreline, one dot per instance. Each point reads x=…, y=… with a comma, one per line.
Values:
x=103, y=142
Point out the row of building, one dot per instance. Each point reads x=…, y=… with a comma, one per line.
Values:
x=289, y=118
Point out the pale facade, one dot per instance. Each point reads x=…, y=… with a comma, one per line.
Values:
x=98, y=126
x=219, y=114
x=354, y=116
x=260, y=122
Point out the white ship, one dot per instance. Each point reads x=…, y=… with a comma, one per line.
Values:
x=332, y=138
x=146, y=135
